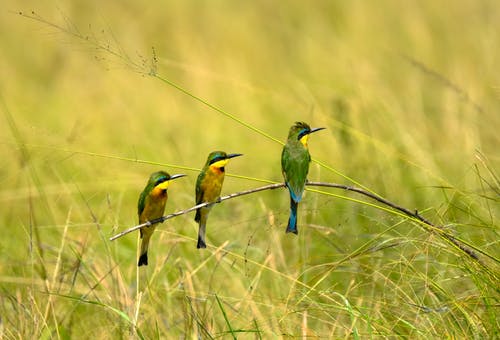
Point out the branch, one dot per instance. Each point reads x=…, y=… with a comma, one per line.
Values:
x=405, y=211
x=201, y=205
x=373, y=196
x=411, y=214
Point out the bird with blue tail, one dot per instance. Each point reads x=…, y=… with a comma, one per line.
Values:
x=208, y=188
x=295, y=159
x=151, y=205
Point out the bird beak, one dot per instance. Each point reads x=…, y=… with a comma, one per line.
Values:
x=316, y=129
x=232, y=155
x=176, y=176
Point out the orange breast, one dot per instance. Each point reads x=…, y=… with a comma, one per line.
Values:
x=154, y=206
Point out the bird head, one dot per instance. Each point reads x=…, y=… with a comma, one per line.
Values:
x=161, y=180
x=219, y=159
x=300, y=131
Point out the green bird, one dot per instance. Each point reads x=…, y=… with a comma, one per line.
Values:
x=295, y=160
x=151, y=205
x=208, y=188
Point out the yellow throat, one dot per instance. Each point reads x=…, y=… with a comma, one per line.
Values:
x=219, y=164
x=303, y=140
x=163, y=185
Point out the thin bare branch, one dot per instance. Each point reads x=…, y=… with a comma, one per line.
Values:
x=201, y=205
x=414, y=214
x=373, y=196
x=411, y=214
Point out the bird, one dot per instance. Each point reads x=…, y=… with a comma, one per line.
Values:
x=151, y=205
x=295, y=159
x=208, y=188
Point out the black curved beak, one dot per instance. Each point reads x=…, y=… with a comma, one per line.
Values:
x=232, y=155
x=176, y=176
x=316, y=129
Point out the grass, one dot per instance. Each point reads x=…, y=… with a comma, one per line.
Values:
x=409, y=98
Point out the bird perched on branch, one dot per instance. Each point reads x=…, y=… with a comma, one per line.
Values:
x=151, y=205
x=295, y=160
x=208, y=188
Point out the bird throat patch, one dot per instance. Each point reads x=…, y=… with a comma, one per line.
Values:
x=163, y=185
x=303, y=140
x=160, y=189
x=219, y=165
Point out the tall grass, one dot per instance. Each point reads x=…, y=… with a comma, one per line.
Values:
x=408, y=93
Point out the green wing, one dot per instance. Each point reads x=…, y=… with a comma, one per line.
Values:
x=199, y=187
x=295, y=166
x=142, y=199
x=141, y=204
x=199, y=193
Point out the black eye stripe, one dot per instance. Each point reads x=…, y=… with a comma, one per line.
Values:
x=160, y=181
x=302, y=133
x=216, y=159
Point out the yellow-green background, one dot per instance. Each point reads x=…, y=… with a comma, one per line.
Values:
x=408, y=91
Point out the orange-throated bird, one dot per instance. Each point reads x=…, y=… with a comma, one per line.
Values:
x=151, y=205
x=208, y=188
x=295, y=160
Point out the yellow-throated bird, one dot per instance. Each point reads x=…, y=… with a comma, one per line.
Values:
x=151, y=205
x=208, y=188
x=295, y=160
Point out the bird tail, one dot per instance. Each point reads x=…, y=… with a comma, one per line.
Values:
x=197, y=217
x=202, y=219
x=292, y=221
x=146, y=236
x=143, y=259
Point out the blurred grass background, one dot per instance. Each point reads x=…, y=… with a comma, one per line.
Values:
x=409, y=94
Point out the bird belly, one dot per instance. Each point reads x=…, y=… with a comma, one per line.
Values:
x=154, y=208
x=212, y=186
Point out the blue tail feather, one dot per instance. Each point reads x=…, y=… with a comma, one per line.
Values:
x=292, y=221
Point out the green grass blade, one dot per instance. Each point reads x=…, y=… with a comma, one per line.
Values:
x=231, y=331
